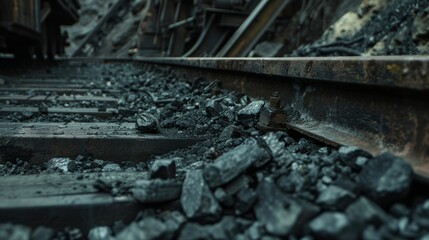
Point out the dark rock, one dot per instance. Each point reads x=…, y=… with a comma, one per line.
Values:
x=147, y=123
x=155, y=191
x=173, y=221
x=371, y=233
x=42, y=233
x=363, y=211
x=281, y=215
x=406, y=227
x=246, y=198
x=223, y=197
x=292, y=182
x=420, y=29
x=399, y=210
x=14, y=232
x=332, y=225
x=237, y=184
x=347, y=184
x=26, y=115
x=351, y=153
x=424, y=237
x=100, y=233
x=277, y=148
x=213, y=108
x=197, y=200
x=63, y=164
x=163, y=169
x=255, y=231
x=386, y=178
x=335, y=198
x=227, y=228
x=361, y=161
x=233, y=163
x=118, y=226
x=148, y=229
x=229, y=132
x=111, y=167
x=194, y=231
x=250, y=113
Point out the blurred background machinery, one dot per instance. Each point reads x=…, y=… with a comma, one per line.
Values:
x=32, y=27
x=188, y=28
x=201, y=28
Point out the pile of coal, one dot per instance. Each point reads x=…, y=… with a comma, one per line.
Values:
x=275, y=187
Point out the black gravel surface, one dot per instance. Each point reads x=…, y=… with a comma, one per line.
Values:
x=240, y=182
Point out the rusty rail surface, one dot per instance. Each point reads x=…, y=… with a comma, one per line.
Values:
x=375, y=103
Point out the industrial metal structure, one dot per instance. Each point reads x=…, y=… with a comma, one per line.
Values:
x=33, y=27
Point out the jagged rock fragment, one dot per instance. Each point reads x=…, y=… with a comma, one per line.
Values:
x=197, y=200
x=63, y=164
x=332, y=225
x=147, y=123
x=386, y=178
x=163, y=169
x=281, y=214
x=335, y=198
x=233, y=163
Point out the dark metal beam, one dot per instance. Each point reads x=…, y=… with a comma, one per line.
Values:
x=375, y=103
x=253, y=28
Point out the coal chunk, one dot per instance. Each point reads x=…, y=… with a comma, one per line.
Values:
x=213, y=108
x=332, y=225
x=364, y=211
x=63, y=164
x=246, y=198
x=100, y=233
x=233, y=163
x=42, y=233
x=156, y=191
x=281, y=214
x=173, y=221
x=147, y=123
x=224, y=198
x=251, y=110
x=229, y=132
x=149, y=228
x=351, y=153
x=197, y=200
x=292, y=182
x=335, y=197
x=386, y=178
x=163, y=169
x=111, y=167
x=248, y=115
x=14, y=232
x=227, y=228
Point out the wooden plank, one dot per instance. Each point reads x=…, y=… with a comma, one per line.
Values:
x=7, y=110
x=49, y=81
x=47, y=85
x=42, y=98
x=39, y=142
x=60, y=200
x=45, y=185
x=58, y=90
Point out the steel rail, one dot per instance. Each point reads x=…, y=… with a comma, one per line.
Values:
x=376, y=103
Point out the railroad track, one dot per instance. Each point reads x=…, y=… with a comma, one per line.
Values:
x=88, y=107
